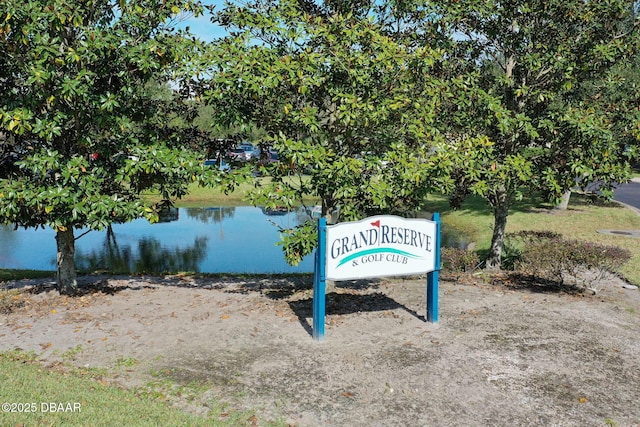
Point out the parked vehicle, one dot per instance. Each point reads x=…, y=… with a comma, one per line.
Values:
x=239, y=154
x=224, y=166
x=236, y=154
x=250, y=150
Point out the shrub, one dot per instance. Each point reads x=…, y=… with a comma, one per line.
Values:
x=516, y=243
x=595, y=261
x=456, y=260
x=549, y=257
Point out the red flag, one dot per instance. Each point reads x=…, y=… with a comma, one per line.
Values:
x=376, y=223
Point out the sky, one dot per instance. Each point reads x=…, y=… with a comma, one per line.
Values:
x=202, y=27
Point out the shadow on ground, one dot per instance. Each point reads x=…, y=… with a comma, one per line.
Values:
x=341, y=304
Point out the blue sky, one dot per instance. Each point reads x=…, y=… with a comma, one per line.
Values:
x=202, y=27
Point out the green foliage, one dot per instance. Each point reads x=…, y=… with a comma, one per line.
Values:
x=464, y=97
x=537, y=111
x=299, y=241
x=337, y=96
x=77, y=104
x=87, y=104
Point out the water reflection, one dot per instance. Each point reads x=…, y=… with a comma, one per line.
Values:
x=150, y=256
x=211, y=215
x=210, y=240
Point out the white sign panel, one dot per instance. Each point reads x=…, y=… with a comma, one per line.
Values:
x=380, y=246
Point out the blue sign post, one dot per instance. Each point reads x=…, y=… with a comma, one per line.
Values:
x=432, y=278
x=378, y=246
x=319, y=282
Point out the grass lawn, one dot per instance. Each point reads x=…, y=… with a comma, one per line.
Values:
x=206, y=197
x=199, y=197
x=47, y=396
x=24, y=274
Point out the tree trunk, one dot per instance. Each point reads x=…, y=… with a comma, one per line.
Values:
x=329, y=210
x=564, y=203
x=67, y=283
x=500, y=213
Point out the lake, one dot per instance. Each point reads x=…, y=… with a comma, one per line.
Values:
x=239, y=239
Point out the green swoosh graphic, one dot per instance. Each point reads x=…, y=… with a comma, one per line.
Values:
x=376, y=251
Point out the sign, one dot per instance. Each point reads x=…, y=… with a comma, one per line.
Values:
x=380, y=246
x=374, y=247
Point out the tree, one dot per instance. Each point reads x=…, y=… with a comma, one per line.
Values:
x=75, y=77
x=532, y=117
x=338, y=99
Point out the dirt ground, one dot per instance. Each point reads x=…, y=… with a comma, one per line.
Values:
x=502, y=354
